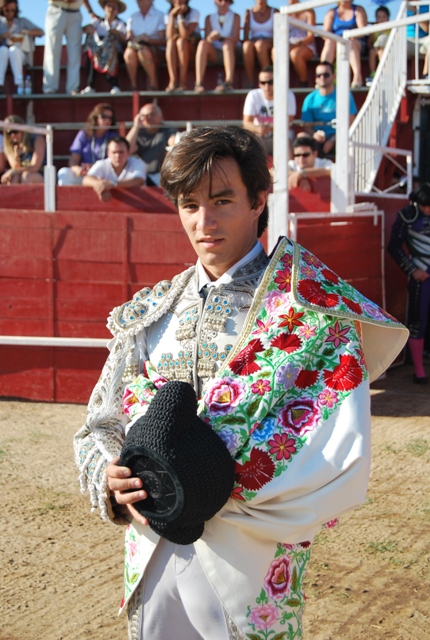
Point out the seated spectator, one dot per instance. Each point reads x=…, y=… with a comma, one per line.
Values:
x=16, y=41
x=376, y=43
x=418, y=32
x=302, y=44
x=306, y=164
x=117, y=171
x=146, y=37
x=258, y=38
x=426, y=66
x=258, y=109
x=319, y=106
x=104, y=44
x=89, y=145
x=149, y=139
x=222, y=34
x=183, y=35
x=2, y=156
x=342, y=18
x=25, y=154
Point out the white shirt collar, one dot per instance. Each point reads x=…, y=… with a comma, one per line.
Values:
x=203, y=278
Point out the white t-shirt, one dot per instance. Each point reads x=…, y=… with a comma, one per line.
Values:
x=192, y=16
x=149, y=25
x=1, y=144
x=262, y=109
x=320, y=163
x=135, y=168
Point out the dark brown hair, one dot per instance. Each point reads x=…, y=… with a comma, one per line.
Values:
x=91, y=124
x=198, y=151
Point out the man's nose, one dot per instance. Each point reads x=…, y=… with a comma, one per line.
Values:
x=206, y=219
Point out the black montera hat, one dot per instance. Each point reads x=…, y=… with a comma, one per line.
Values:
x=185, y=467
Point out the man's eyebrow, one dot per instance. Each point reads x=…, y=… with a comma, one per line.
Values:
x=221, y=193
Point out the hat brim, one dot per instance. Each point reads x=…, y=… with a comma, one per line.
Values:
x=121, y=5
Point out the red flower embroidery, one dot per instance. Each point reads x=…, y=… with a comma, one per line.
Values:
x=283, y=280
x=282, y=446
x=306, y=378
x=354, y=306
x=300, y=416
x=236, y=494
x=346, y=375
x=330, y=276
x=257, y=472
x=288, y=342
x=287, y=260
x=313, y=292
x=244, y=363
x=291, y=319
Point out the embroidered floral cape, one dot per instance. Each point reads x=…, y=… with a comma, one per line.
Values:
x=292, y=405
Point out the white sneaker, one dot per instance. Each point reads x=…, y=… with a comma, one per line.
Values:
x=115, y=90
x=88, y=90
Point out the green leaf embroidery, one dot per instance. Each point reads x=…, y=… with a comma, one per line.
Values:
x=233, y=420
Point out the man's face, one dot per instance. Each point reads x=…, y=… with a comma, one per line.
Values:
x=117, y=153
x=265, y=81
x=304, y=157
x=324, y=77
x=144, y=5
x=219, y=219
x=150, y=116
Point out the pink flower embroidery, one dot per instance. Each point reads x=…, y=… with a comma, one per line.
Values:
x=327, y=398
x=338, y=335
x=132, y=550
x=261, y=387
x=278, y=578
x=283, y=446
x=312, y=260
x=224, y=396
x=263, y=327
x=308, y=272
x=306, y=331
x=300, y=416
x=263, y=616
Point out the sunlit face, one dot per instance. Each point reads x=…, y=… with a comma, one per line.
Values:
x=381, y=16
x=304, y=157
x=219, y=219
x=324, y=77
x=9, y=10
x=150, y=116
x=111, y=9
x=104, y=120
x=117, y=153
x=144, y=5
x=15, y=136
x=265, y=81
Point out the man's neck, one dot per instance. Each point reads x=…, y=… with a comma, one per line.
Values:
x=120, y=169
x=326, y=91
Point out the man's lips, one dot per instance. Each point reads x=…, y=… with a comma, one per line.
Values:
x=209, y=242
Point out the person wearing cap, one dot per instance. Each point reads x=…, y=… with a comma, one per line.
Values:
x=280, y=352
x=104, y=43
x=63, y=18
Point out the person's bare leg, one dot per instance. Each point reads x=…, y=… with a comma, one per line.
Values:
x=263, y=49
x=248, y=50
x=184, y=49
x=355, y=62
x=328, y=53
x=299, y=57
x=229, y=59
x=146, y=59
x=130, y=59
x=172, y=64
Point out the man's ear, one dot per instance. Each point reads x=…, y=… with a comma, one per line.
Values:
x=260, y=201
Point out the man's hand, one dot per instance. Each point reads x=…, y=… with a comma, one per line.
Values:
x=103, y=189
x=420, y=275
x=125, y=489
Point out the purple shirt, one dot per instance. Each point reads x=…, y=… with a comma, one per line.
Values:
x=91, y=149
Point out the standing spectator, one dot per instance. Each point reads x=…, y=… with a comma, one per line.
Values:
x=342, y=18
x=117, y=171
x=412, y=228
x=302, y=44
x=258, y=109
x=183, y=35
x=149, y=139
x=25, y=154
x=16, y=40
x=258, y=38
x=104, y=43
x=306, y=164
x=222, y=34
x=89, y=145
x=63, y=18
x=146, y=38
x=2, y=156
x=376, y=43
x=320, y=106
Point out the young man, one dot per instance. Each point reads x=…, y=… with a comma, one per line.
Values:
x=117, y=171
x=281, y=365
x=306, y=164
x=150, y=139
x=320, y=106
x=258, y=109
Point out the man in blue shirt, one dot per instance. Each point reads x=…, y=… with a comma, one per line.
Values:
x=320, y=106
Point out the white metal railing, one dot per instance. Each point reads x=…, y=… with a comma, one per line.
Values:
x=390, y=153
x=49, y=171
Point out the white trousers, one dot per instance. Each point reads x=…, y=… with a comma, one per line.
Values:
x=16, y=57
x=66, y=178
x=59, y=23
x=178, y=600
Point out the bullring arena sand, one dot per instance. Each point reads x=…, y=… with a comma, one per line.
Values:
x=61, y=566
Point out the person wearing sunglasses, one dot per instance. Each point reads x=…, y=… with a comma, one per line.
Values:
x=25, y=154
x=258, y=109
x=319, y=107
x=89, y=145
x=305, y=164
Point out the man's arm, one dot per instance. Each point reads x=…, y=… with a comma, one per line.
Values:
x=137, y=181
x=295, y=177
x=101, y=186
x=132, y=135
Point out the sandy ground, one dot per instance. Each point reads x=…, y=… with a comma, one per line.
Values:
x=61, y=566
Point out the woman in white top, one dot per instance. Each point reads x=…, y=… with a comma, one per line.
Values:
x=183, y=34
x=302, y=44
x=258, y=38
x=222, y=33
